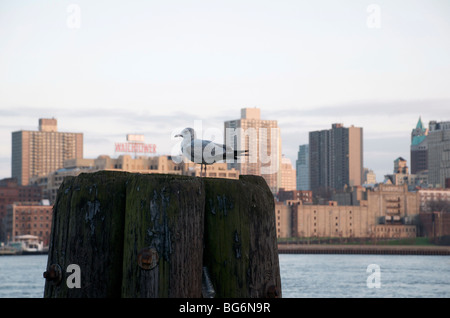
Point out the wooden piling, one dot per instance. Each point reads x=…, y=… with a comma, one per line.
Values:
x=164, y=213
x=87, y=230
x=239, y=238
x=135, y=235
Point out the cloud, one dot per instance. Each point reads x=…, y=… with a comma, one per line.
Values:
x=368, y=108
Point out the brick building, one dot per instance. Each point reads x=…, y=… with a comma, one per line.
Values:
x=10, y=192
x=435, y=225
x=303, y=195
x=434, y=200
x=388, y=212
x=31, y=218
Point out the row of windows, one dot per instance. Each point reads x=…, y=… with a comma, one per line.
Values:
x=47, y=211
x=336, y=224
x=433, y=198
x=349, y=212
x=407, y=229
x=34, y=233
x=221, y=174
x=337, y=230
x=34, y=225
x=35, y=218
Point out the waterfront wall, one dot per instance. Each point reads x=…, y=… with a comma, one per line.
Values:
x=362, y=249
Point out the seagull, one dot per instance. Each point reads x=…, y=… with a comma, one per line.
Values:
x=206, y=152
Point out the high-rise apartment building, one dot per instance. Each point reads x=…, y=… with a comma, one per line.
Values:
x=336, y=157
x=430, y=152
x=263, y=141
x=302, y=168
x=369, y=176
x=288, y=176
x=438, y=141
x=37, y=153
x=419, y=148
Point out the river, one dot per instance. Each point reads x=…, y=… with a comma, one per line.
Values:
x=302, y=276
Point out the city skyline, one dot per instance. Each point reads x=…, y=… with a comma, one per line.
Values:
x=107, y=70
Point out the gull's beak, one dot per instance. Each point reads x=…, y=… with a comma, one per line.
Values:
x=179, y=135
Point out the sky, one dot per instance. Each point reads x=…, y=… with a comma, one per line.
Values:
x=112, y=68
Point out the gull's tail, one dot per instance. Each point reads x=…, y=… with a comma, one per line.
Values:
x=234, y=154
x=238, y=153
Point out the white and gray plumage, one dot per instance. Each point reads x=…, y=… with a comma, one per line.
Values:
x=206, y=152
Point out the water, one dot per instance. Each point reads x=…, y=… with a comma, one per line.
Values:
x=303, y=275
x=21, y=276
x=336, y=276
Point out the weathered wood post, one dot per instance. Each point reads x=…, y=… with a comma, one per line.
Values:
x=164, y=218
x=134, y=235
x=87, y=230
x=241, y=250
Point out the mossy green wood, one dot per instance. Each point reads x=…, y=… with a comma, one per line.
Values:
x=240, y=239
x=101, y=222
x=164, y=213
x=87, y=230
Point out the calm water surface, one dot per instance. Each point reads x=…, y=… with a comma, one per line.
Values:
x=324, y=276
x=331, y=276
x=21, y=276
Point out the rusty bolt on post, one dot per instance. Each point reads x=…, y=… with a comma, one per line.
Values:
x=148, y=258
x=53, y=274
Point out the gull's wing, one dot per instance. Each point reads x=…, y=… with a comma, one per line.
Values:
x=207, y=152
x=201, y=151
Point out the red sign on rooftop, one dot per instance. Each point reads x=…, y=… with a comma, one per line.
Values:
x=135, y=145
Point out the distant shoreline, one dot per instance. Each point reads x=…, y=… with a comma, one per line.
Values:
x=362, y=249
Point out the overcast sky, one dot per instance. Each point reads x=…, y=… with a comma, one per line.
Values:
x=109, y=68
